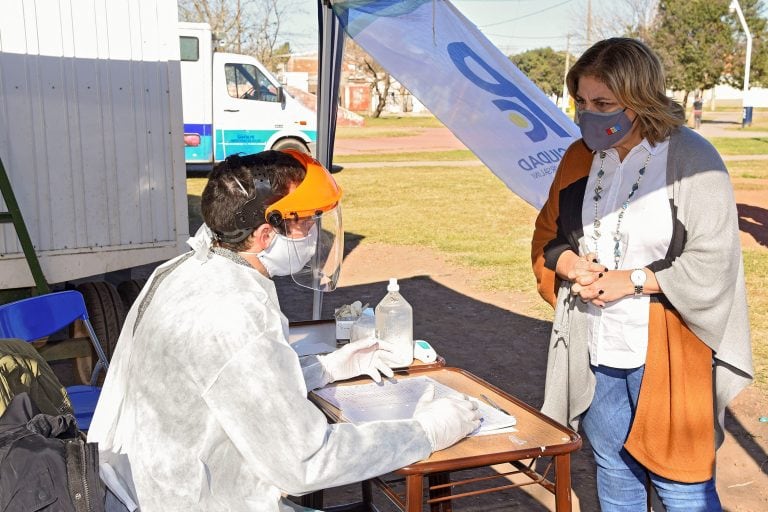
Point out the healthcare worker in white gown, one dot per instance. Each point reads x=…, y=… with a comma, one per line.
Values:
x=205, y=406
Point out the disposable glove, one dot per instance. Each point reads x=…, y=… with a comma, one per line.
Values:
x=446, y=420
x=361, y=357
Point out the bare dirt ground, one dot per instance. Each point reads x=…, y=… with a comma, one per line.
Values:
x=494, y=336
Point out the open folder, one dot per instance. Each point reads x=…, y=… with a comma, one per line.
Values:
x=396, y=399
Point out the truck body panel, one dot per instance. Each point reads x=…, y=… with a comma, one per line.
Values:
x=90, y=124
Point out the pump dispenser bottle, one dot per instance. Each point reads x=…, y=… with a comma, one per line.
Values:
x=394, y=325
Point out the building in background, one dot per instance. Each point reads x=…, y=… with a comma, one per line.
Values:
x=355, y=94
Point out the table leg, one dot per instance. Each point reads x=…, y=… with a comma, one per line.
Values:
x=563, y=483
x=312, y=500
x=414, y=493
x=438, y=479
x=367, y=491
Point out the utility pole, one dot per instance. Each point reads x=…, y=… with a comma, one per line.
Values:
x=589, y=23
x=564, y=102
x=746, y=116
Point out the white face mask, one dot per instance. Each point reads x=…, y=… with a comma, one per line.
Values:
x=286, y=256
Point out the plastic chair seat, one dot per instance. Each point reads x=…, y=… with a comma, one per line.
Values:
x=84, y=399
x=37, y=317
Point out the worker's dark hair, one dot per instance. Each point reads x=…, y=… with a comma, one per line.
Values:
x=258, y=180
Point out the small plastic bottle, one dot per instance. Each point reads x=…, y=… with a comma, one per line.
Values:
x=394, y=325
x=364, y=327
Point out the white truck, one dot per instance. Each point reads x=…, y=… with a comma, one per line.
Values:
x=233, y=104
x=90, y=138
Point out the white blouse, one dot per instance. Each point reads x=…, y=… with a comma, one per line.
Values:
x=618, y=333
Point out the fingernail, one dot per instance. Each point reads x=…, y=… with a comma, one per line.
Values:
x=600, y=274
x=600, y=292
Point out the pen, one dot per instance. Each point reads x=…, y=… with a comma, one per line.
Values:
x=493, y=404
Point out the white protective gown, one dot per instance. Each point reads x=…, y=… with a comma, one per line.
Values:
x=205, y=403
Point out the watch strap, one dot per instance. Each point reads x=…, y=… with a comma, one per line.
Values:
x=639, y=282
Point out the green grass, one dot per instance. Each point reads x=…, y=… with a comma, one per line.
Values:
x=389, y=126
x=756, y=271
x=740, y=146
x=403, y=122
x=423, y=156
x=749, y=186
x=465, y=213
x=748, y=169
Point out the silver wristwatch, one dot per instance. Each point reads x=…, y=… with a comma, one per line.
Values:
x=638, y=278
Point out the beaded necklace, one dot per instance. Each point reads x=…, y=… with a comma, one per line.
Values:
x=624, y=206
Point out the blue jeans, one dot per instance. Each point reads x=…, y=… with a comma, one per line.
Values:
x=621, y=480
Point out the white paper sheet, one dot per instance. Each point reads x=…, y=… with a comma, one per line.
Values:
x=395, y=399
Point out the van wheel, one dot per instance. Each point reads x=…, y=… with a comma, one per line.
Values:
x=291, y=144
x=107, y=314
x=129, y=290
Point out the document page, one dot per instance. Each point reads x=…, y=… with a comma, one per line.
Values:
x=396, y=400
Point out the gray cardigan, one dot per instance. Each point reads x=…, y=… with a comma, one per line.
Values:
x=702, y=277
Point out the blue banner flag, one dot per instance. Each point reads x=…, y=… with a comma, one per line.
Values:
x=467, y=83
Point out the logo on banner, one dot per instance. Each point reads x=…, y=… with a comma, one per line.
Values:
x=525, y=112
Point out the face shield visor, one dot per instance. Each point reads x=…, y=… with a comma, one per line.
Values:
x=308, y=222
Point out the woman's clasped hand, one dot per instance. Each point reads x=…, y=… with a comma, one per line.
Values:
x=592, y=282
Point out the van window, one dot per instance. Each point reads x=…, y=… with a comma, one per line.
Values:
x=246, y=82
x=190, y=48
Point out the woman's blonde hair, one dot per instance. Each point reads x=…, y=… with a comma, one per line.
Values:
x=634, y=74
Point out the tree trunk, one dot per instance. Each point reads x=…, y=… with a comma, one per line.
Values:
x=381, y=94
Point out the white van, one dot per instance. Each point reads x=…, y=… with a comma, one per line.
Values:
x=232, y=104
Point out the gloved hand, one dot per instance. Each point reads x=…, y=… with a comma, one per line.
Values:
x=446, y=420
x=361, y=357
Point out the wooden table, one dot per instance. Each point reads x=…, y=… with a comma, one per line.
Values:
x=319, y=336
x=536, y=436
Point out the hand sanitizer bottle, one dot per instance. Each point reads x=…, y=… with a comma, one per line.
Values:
x=394, y=325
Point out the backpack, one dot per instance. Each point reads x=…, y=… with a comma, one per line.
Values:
x=46, y=463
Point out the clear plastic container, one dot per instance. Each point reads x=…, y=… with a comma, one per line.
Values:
x=364, y=327
x=394, y=325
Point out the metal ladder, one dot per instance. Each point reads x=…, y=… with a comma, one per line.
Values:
x=13, y=215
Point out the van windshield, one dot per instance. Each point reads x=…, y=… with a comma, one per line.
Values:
x=245, y=81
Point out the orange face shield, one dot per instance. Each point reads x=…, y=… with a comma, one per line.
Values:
x=318, y=193
x=309, y=219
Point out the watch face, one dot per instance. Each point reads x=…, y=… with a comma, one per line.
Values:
x=638, y=277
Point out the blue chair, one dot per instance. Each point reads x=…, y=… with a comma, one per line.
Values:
x=38, y=317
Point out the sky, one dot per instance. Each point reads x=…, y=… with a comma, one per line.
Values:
x=514, y=26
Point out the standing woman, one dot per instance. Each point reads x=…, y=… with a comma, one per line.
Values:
x=637, y=249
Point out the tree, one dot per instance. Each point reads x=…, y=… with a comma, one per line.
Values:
x=639, y=21
x=545, y=67
x=377, y=77
x=629, y=18
x=694, y=42
x=250, y=27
